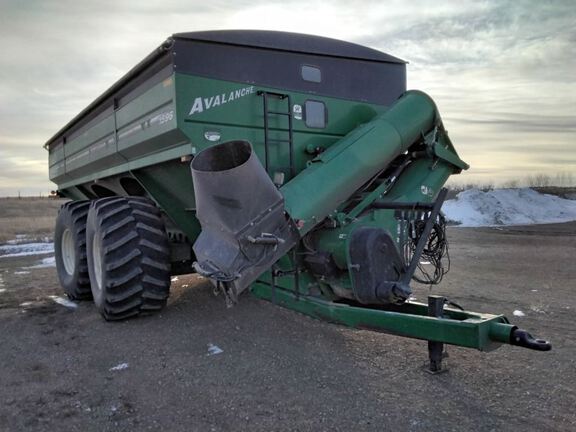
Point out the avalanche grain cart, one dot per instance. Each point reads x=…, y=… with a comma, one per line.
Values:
x=293, y=166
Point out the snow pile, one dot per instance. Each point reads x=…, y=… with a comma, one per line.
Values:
x=25, y=249
x=508, y=207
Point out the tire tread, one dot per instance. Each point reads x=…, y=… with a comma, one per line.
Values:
x=78, y=212
x=135, y=254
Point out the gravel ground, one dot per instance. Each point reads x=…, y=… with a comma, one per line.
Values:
x=66, y=369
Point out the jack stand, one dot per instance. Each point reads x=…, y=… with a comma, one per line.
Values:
x=436, y=349
x=274, y=272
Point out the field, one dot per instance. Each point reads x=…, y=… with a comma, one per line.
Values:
x=64, y=368
x=31, y=216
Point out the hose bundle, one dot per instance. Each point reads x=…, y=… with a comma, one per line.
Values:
x=434, y=252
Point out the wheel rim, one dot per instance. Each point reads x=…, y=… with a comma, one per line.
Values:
x=97, y=261
x=68, y=250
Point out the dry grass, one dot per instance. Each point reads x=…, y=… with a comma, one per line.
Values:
x=562, y=192
x=33, y=217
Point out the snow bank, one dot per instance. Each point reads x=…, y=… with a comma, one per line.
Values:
x=25, y=249
x=508, y=207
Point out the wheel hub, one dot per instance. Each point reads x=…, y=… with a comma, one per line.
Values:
x=96, y=248
x=68, y=251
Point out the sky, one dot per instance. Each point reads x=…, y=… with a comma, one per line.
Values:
x=503, y=73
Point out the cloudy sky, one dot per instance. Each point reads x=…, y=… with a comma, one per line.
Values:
x=502, y=72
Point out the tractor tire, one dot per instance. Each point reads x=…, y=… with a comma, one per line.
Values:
x=70, y=250
x=128, y=257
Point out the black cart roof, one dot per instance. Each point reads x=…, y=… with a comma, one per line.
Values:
x=291, y=42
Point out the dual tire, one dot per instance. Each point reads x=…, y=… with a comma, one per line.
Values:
x=70, y=250
x=124, y=253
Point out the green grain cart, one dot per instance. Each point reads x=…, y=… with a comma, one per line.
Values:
x=294, y=166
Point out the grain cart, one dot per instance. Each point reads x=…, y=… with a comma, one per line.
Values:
x=294, y=166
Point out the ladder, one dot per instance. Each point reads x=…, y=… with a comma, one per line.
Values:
x=267, y=140
x=275, y=273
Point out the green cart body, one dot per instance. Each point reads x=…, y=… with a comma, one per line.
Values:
x=350, y=155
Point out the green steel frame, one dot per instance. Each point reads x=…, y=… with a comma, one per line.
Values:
x=484, y=332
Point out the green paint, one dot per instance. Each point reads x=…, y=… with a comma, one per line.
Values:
x=156, y=129
x=170, y=184
x=467, y=329
x=336, y=174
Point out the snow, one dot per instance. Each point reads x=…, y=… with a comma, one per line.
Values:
x=26, y=238
x=25, y=249
x=121, y=366
x=20, y=238
x=64, y=302
x=518, y=313
x=214, y=349
x=473, y=208
x=45, y=262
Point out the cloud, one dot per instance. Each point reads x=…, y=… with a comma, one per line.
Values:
x=523, y=123
x=501, y=72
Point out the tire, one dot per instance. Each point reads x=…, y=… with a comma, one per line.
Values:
x=70, y=250
x=128, y=257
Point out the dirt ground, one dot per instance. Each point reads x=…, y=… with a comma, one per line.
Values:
x=283, y=371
